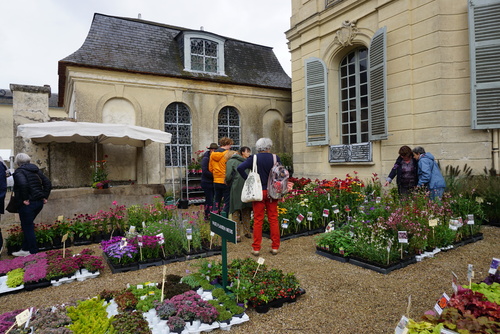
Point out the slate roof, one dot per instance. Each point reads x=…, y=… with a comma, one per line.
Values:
x=138, y=46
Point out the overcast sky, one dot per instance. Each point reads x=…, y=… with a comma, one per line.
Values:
x=36, y=34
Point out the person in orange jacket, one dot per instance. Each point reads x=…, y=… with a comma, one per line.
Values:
x=217, y=165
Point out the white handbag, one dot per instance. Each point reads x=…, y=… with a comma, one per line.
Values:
x=252, y=189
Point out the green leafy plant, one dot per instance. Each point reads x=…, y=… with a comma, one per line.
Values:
x=90, y=316
x=15, y=278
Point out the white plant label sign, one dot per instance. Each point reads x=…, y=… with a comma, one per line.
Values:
x=470, y=219
x=309, y=216
x=284, y=223
x=300, y=218
x=326, y=212
x=335, y=209
x=494, y=266
x=401, y=326
x=403, y=237
x=162, y=239
x=441, y=303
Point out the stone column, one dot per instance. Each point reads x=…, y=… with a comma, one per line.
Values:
x=30, y=104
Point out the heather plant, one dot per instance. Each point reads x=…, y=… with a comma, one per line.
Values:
x=51, y=320
x=90, y=316
x=131, y=323
x=15, y=278
x=165, y=310
x=35, y=271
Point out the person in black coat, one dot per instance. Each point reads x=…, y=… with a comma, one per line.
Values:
x=31, y=190
x=207, y=180
x=4, y=172
x=405, y=170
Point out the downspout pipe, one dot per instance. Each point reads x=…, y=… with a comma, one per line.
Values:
x=494, y=149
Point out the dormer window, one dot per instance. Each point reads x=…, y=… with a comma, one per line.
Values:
x=203, y=53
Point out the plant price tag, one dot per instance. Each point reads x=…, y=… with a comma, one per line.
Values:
x=377, y=200
x=131, y=230
x=326, y=212
x=212, y=234
x=123, y=243
x=454, y=282
x=189, y=234
x=60, y=218
x=401, y=326
x=330, y=227
x=64, y=238
x=22, y=317
x=139, y=240
x=284, y=223
x=161, y=240
x=470, y=219
x=494, y=266
x=261, y=260
x=470, y=272
x=309, y=216
x=335, y=209
x=441, y=303
x=403, y=237
x=433, y=222
x=299, y=218
x=140, y=286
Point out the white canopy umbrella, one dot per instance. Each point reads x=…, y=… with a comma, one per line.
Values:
x=97, y=133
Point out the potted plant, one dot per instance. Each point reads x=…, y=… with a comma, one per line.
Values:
x=165, y=310
x=14, y=239
x=131, y=322
x=126, y=300
x=176, y=324
x=99, y=174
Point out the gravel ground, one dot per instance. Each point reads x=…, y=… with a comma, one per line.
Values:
x=340, y=298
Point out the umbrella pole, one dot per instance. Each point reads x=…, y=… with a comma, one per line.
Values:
x=172, y=170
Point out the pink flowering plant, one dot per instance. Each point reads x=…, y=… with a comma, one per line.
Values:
x=190, y=307
x=148, y=245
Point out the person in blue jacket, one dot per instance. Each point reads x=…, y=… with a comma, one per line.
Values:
x=429, y=175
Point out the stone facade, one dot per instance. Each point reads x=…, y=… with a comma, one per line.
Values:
x=427, y=81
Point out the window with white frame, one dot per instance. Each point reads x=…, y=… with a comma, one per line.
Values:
x=229, y=125
x=203, y=53
x=178, y=123
x=354, y=97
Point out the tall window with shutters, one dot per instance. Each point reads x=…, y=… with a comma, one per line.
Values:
x=316, y=102
x=484, y=49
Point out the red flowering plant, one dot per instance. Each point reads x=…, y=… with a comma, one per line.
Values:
x=61, y=267
x=87, y=260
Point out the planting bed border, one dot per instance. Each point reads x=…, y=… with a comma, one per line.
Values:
x=138, y=265
x=387, y=269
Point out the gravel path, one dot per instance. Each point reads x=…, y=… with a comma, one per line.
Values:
x=340, y=298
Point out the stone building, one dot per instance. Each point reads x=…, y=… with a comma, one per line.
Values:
x=195, y=84
x=369, y=76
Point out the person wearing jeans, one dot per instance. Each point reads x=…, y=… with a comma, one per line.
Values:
x=31, y=190
x=268, y=205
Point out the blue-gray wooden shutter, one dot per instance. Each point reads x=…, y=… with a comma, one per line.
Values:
x=377, y=75
x=484, y=48
x=316, y=102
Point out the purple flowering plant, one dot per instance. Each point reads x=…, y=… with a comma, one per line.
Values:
x=190, y=306
x=119, y=251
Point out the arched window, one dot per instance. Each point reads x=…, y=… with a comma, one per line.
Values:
x=354, y=97
x=178, y=123
x=229, y=125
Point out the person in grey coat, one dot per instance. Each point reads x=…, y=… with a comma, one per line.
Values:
x=429, y=175
x=241, y=211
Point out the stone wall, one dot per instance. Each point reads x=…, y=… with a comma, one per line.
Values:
x=68, y=202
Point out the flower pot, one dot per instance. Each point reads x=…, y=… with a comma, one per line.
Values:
x=262, y=308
